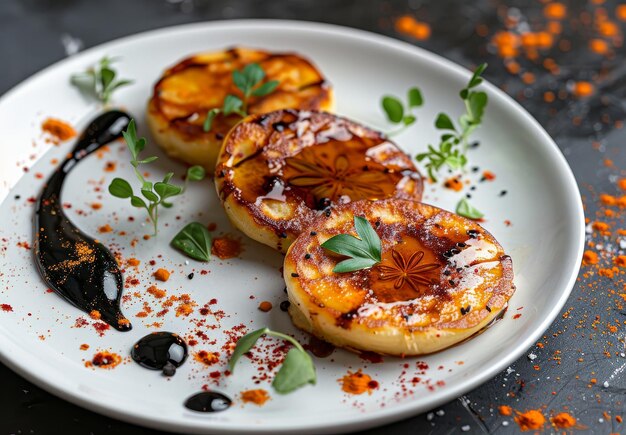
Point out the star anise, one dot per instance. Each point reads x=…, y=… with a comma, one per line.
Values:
x=332, y=179
x=407, y=271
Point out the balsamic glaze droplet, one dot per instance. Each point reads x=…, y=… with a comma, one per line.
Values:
x=208, y=401
x=75, y=266
x=155, y=350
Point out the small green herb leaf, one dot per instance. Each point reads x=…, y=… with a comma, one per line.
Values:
x=393, y=109
x=149, y=195
x=136, y=201
x=265, y=88
x=196, y=173
x=364, y=250
x=297, y=370
x=454, y=145
x=244, y=344
x=240, y=80
x=415, y=97
x=166, y=190
x=156, y=193
x=120, y=188
x=254, y=74
x=99, y=81
x=194, y=240
x=465, y=209
x=246, y=81
x=232, y=104
x=443, y=122
x=408, y=120
x=210, y=116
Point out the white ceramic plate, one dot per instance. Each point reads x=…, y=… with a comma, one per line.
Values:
x=38, y=338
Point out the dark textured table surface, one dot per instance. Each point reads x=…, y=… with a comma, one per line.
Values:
x=571, y=77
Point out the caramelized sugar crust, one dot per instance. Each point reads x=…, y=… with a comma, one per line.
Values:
x=279, y=171
x=189, y=89
x=442, y=278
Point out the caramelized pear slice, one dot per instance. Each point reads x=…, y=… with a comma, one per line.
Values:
x=442, y=279
x=277, y=171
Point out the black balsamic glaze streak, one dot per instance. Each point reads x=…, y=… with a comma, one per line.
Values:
x=208, y=401
x=75, y=266
x=155, y=350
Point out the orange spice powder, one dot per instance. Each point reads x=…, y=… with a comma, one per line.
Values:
x=58, y=130
x=162, y=274
x=408, y=25
x=225, y=247
x=258, y=397
x=453, y=184
x=104, y=360
x=505, y=410
x=555, y=11
x=530, y=420
x=590, y=257
x=357, y=383
x=583, y=89
x=265, y=306
x=563, y=420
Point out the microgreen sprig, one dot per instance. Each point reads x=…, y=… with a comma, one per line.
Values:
x=157, y=194
x=248, y=82
x=400, y=113
x=99, y=81
x=454, y=141
x=297, y=369
x=365, y=251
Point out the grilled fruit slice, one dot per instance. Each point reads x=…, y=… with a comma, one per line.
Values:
x=278, y=171
x=188, y=90
x=442, y=278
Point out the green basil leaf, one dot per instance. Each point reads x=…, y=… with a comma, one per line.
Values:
x=120, y=188
x=346, y=244
x=265, y=88
x=137, y=202
x=297, y=370
x=194, y=240
x=354, y=264
x=464, y=209
x=415, y=97
x=393, y=109
x=365, y=251
x=166, y=190
x=244, y=344
x=232, y=104
x=369, y=236
x=443, y=122
x=196, y=173
x=210, y=116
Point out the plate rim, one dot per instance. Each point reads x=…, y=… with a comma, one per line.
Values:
x=10, y=355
